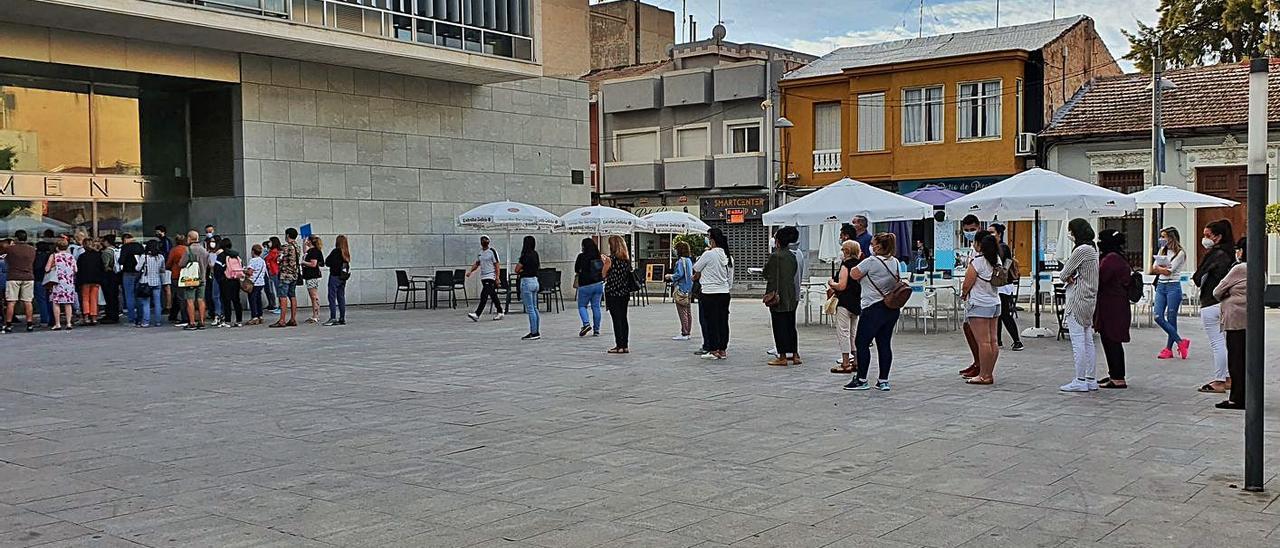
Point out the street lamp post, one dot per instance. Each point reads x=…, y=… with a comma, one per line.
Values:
x=1257, y=274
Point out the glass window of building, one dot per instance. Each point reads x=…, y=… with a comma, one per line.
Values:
x=44, y=126
x=979, y=110
x=826, y=126
x=922, y=115
x=870, y=122
x=117, y=139
x=635, y=146
x=744, y=138
x=693, y=142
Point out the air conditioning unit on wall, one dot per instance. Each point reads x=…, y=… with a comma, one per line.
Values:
x=1026, y=144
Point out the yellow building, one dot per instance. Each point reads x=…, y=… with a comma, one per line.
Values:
x=959, y=111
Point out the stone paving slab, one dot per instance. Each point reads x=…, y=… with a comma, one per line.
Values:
x=421, y=428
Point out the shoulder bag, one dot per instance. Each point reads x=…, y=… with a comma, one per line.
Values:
x=189, y=276
x=142, y=289
x=897, y=296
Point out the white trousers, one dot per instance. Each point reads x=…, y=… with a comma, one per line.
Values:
x=1083, y=348
x=1212, y=318
x=846, y=328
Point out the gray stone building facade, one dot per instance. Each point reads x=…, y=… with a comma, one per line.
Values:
x=260, y=115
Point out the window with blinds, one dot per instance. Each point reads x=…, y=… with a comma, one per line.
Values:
x=979, y=110
x=826, y=126
x=635, y=147
x=693, y=142
x=922, y=115
x=870, y=122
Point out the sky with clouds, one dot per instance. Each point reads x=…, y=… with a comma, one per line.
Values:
x=819, y=26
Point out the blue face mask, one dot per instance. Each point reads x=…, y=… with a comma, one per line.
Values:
x=1162, y=243
x=970, y=235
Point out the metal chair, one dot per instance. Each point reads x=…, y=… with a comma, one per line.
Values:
x=460, y=282
x=548, y=287
x=410, y=287
x=642, y=296
x=1060, y=309
x=444, y=284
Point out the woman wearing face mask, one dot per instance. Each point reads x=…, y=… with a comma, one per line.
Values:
x=1216, y=237
x=1080, y=273
x=714, y=271
x=1168, y=270
x=1234, y=304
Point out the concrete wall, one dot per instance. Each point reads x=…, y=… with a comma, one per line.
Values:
x=390, y=161
x=617, y=27
x=566, y=38
x=1071, y=61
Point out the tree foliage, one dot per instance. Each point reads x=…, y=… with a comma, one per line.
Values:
x=1202, y=32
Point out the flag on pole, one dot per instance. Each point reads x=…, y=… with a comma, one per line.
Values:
x=1160, y=152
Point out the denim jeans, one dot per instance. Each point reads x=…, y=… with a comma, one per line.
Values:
x=42, y=306
x=150, y=308
x=270, y=291
x=876, y=323
x=255, y=303
x=590, y=295
x=132, y=308
x=337, y=298
x=529, y=296
x=1168, y=300
x=215, y=293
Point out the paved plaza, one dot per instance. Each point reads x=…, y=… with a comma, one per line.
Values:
x=420, y=428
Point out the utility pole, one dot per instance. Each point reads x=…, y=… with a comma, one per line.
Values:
x=997, y=13
x=920, y=26
x=1157, y=134
x=1257, y=273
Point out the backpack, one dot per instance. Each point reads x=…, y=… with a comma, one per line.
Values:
x=897, y=296
x=1002, y=274
x=235, y=269
x=1135, y=287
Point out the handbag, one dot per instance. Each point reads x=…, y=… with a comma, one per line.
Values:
x=681, y=298
x=345, y=274
x=50, y=278
x=771, y=299
x=189, y=276
x=896, y=297
x=829, y=307
x=142, y=289
x=246, y=282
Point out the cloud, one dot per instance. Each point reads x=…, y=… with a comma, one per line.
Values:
x=964, y=15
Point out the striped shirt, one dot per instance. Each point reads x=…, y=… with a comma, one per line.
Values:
x=1082, y=293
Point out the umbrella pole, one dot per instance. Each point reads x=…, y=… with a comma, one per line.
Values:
x=1036, y=331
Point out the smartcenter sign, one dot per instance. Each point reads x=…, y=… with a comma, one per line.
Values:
x=73, y=186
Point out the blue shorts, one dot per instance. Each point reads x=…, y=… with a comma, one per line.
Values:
x=285, y=289
x=982, y=312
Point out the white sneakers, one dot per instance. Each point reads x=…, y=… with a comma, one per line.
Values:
x=498, y=316
x=1080, y=385
x=680, y=338
x=474, y=317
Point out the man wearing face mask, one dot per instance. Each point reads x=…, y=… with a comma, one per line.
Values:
x=861, y=232
x=1217, y=262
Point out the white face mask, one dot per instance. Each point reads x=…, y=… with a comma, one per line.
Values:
x=1206, y=242
x=970, y=234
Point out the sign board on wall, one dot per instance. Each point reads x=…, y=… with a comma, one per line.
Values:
x=72, y=186
x=965, y=185
x=733, y=209
x=641, y=211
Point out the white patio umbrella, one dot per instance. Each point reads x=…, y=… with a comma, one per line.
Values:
x=842, y=200
x=1159, y=196
x=601, y=220
x=1035, y=194
x=675, y=222
x=509, y=217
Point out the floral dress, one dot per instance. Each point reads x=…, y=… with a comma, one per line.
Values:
x=64, y=266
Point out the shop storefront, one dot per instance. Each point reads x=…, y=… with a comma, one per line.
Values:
x=740, y=219
x=89, y=151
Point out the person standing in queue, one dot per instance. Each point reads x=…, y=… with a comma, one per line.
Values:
x=1080, y=274
x=848, y=294
x=286, y=293
x=1217, y=262
x=1233, y=300
x=490, y=267
x=681, y=279
x=339, y=264
x=619, y=283
x=527, y=269
x=194, y=295
x=714, y=273
x=1008, y=292
x=782, y=297
x=1167, y=266
x=1112, y=316
x=982, y=310
x=588, y=279
x=312, y=260
x=878, y=274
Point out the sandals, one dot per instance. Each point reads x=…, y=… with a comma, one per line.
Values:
x=843, y=371
x=777, y=362
x=969, y=372
x=1228, y=404
x=618, y=351
x=1108, y=383
x=979, y=380
x=1209, y=388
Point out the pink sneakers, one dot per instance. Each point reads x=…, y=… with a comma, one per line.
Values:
x=1184, y=347
x=1165, y=354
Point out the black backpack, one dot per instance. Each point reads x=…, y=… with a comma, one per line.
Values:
x=1135, y=287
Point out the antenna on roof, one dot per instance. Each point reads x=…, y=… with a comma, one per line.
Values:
x=997, y=13
x=920, y=28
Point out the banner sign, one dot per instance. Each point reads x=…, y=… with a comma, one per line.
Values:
x=72, y=186
x=965, y=185
x=734, y=209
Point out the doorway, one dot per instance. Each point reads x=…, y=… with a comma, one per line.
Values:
x=1230, y=182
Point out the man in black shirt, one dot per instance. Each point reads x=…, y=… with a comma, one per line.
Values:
x=129, y=253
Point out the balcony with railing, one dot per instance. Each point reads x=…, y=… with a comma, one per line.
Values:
x=826, y=161
x=469, y=41
x=492, y=27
